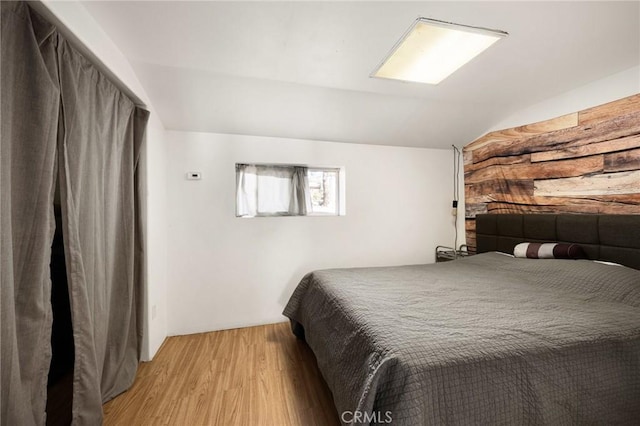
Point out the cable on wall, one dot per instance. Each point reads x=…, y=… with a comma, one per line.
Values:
x=456, y=192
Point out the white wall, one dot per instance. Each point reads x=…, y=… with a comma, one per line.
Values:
x=227, y=272
x=79, y=27
x=611, y=88
x=156, y=238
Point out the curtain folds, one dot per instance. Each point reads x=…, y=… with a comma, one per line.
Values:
x=97, y=160
x=300, y=203
x=62, y=119
x=246, y=190
x=29, y=111
x=264, y=190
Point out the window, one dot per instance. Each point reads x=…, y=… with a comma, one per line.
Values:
x=323, y=190
x=286, y=190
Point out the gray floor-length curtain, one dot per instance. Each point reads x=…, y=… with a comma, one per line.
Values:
x=97, y=158
x=62, y=119
x=29, y=125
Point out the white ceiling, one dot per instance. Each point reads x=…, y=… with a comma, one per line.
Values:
x=301, y=69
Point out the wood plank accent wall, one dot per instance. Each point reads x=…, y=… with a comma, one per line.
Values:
x=585, y=162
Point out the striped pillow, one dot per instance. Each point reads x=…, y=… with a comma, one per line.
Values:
x=549, y=251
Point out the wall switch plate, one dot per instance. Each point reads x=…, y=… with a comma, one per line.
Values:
x=194, y=175
x=153, y=312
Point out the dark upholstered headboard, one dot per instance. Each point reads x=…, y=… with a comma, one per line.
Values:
x=614, y=238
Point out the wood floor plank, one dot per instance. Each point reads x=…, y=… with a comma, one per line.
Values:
x=252, y=376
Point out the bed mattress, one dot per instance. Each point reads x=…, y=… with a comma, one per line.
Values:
x=488, y=339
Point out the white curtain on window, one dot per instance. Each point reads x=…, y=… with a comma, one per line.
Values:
x=246, y=190
x=271, y=190
x=274, y=189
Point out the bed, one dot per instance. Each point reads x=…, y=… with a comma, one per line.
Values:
x=487, y=339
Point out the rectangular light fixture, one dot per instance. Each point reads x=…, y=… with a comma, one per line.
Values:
x=432, y=50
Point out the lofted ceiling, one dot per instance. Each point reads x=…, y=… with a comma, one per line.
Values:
x=301, y=69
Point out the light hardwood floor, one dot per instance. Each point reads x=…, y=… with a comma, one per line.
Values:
x=249, y=376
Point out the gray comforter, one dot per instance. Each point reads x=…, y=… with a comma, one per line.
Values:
x=484, y=340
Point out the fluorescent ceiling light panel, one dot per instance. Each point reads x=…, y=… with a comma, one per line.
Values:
x=432, y=50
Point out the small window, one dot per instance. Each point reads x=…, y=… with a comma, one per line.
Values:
x=323, y=190
x=286, y=190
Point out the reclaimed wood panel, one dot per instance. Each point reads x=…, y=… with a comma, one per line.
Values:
x=558, y=123
x=550, y=169
x=621, y=144
x=467, y=157
x=615, y=128
x=606, y=183
x=580, y=199
x=513, y=159
x=583, y=203
x=621, y=161
x=610, y=110
x=560, y=208
x=586, y=162
x=498, y=186
x=470, y=227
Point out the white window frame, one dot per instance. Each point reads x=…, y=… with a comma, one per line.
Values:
x=338, y=170
x=339, y=196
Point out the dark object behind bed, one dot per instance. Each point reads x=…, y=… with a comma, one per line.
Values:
x=614, y=238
